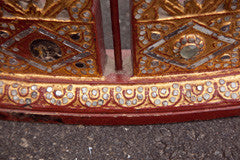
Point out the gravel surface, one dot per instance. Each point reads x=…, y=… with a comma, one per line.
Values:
x=208, y=140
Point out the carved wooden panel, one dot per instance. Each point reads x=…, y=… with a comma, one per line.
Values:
x=182, y=36
x=46, y=45
x=51, y=37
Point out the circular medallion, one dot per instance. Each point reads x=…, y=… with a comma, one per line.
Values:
x=45, y=50
x=188, y=46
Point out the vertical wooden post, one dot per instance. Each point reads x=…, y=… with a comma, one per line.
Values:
x=116, y=34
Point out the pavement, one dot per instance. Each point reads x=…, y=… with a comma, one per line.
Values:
x=202, y=140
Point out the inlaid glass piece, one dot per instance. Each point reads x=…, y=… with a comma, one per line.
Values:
x=189, y=51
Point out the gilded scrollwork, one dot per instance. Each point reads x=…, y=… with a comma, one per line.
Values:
x=94, y=96
x=169, y=95
x=23, y=94
x=60, y=95
x=229, y=90
x=223, y=90
x=199, y=93
x=126, y=96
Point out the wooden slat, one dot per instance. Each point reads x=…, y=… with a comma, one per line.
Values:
x=116, y=34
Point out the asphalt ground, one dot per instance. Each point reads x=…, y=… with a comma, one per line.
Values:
x=208, y=140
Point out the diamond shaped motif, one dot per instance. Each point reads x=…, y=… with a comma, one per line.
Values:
x=46, y=51
x=189, y=51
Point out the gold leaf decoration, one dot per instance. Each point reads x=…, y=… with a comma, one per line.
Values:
x=36, y=9
x=174, y=8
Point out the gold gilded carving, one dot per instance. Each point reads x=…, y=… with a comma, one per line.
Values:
x=157, y=9
x=60, y=95
x=209, y=91
x=23, y=94
x=184, y=36
x=49, y=9
x=50, y=37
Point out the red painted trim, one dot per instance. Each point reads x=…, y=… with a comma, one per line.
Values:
x=133, y=39
x=116, y=34
x=100, y=47
x=118, y=118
